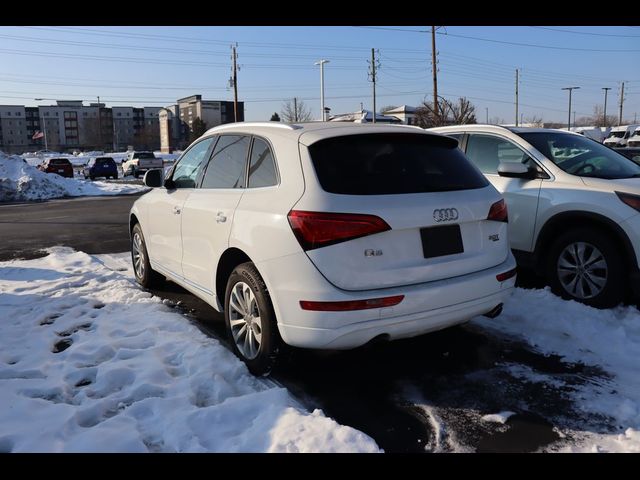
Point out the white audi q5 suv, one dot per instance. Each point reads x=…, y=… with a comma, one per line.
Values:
x=325, y=235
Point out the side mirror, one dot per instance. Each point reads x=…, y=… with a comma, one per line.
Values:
x=515, y=170
x=153, y=178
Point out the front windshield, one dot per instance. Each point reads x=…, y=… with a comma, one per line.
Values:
x=582, y=156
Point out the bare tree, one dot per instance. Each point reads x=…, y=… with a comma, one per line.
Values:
x=449, y=113
x=295, y=111
x=534, y=120
x=462, y=112
x=496, y=121
x=598, y=117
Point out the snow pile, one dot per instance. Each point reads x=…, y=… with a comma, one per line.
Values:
x=89, y=362
x=501, y=417
x=20, y=181
x=609, y=339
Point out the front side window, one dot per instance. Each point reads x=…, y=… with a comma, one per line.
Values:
x=582, y=156
x=227, y=166
x=487, y=151
x=262, y=170
x=188, y=167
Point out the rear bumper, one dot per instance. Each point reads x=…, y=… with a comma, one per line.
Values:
x=426, y=307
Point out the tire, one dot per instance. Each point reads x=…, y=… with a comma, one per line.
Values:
x=145, y=275
x=92, y=178
x=602, y=283
x=115, y=177
x=136, y=174
x=261, y=355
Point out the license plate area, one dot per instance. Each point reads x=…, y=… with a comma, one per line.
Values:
x=440, y=241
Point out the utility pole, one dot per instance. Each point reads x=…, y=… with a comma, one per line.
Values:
x=487, y=109
x=621, y=102
x=606, y=90
x=435, y=73
x=323, y=114
x=99, y=126
x=517, y=97
x=44, y=123
x=570, y=90
x=574, y=118
x=234, y=82
x=374, y=64
x=295, y=109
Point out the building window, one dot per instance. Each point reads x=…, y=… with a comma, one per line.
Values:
x=8, y=114
x=17, y=114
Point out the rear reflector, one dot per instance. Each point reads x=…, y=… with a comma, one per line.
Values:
x=498, y=212
x=320, y=229
x=351, y=304
x=501, y=277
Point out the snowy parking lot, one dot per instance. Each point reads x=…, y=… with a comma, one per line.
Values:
x=90, y=362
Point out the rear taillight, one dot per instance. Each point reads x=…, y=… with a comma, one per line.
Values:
x=320, y=229
x=501, y=277
x=348, y=305
x=498, y=212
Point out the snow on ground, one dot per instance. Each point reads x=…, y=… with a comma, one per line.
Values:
x=501, y=417
x=609, y=339
x=89, y=362
x=20, y=181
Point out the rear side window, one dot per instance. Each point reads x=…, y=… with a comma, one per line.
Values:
x=392, y=163
x=262, y=170
x=59, y=161
x=144, y=155
x=105, y=161
x=227, y=166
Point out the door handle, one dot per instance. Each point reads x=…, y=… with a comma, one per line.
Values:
x=220, y=218
x=176, y=210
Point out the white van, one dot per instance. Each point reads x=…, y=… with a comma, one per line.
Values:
x=593, y=133
x=634, y=139
x=620, y=135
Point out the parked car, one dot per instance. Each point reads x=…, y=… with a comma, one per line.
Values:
x=136, y=163
x=619, y=136
x=573, y=207
x=632, y=153
x=325, y=235
x=61, y=166
x=100, y=167
x=634, y=138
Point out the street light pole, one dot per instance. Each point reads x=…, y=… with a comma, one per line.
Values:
x=321, y=63
x=570, y=90
x=44, y=125
x=99, y=125
x=606, y=90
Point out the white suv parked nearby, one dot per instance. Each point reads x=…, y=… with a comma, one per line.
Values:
x=573, y=206
x=325, y=235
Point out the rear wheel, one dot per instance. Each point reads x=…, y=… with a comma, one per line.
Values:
x=92, y=177
x=145, y=275
x=251, y=321
x=586, y=266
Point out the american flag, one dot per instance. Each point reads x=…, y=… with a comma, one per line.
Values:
x=37, y=135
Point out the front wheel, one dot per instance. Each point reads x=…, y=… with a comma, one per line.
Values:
x=586, y=266
x=251, y=321
x=145, y=275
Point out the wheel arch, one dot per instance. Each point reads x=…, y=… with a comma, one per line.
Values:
x=230, y=259
x=565, y=221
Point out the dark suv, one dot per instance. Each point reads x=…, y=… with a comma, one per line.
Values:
x=61, y=166
x=100, y=167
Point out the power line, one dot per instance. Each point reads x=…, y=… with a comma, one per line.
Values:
x=537, y=46
x=393, y=29
x=587, y=33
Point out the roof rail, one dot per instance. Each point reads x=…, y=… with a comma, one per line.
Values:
x=229, y=126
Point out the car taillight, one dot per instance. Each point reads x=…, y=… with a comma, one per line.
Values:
x=498, y=212
x=632, y=200
x=319, y=229
x=348, y=305
x=501, y=277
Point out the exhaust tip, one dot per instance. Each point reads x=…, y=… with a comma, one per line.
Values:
x=495, y=311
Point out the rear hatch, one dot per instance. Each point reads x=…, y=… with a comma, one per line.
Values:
x=61, y=166
x=433, y=205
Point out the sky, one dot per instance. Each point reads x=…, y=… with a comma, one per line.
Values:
x=154, y=66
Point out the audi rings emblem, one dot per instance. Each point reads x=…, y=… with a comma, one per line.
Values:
x=445, y=214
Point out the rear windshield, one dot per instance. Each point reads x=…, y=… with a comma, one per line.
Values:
x=144, y=155
x=59, y=161
x=105, y=160
x=392, y=163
